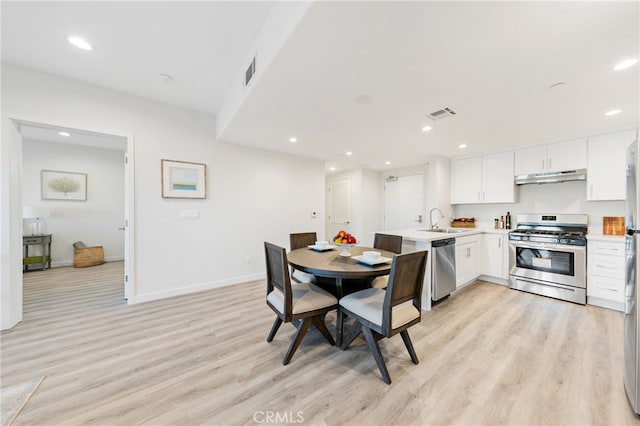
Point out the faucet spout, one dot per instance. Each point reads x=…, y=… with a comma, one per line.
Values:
x=437, y=224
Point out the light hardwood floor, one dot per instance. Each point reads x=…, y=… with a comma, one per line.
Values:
x=488, y=356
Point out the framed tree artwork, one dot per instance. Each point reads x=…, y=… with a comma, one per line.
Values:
x=57, y=185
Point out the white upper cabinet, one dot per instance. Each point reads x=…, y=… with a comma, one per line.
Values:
x=486, y=179
x=606, y=166
x=554, y=157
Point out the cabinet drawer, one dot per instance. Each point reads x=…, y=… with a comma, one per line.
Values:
x=605, y=266
x=606, y=247
x=606, y=288
x=33, y=240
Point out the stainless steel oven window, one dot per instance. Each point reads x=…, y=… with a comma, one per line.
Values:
x=545, y=260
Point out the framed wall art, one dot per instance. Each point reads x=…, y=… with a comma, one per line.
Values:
x=57, y=185
x=182, y=179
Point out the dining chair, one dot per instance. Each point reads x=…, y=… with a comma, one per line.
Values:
x=379, y=313
x=392, y=243
x=300, y=240
x=303, y=304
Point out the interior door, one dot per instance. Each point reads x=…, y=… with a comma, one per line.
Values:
x=339, y=206
x=404, y=202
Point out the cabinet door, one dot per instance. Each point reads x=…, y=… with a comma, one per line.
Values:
x=466, y=263
x=498, y=185
x=530, y=160
x=606, y=166
x=569, y=155
x=466, y=181
x=492, y=255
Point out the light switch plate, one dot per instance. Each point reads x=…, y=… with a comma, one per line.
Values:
x=189, y=214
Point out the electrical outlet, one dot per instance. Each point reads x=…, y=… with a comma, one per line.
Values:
x=248, y=259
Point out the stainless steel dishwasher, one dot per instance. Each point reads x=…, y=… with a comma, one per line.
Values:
x=443, y=268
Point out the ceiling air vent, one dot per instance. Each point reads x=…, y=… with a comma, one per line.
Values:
x=250, y=72
x=441, y=113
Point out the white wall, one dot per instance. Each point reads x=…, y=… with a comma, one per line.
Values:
x=253, y=195
x=563, y=197
x=94, y=221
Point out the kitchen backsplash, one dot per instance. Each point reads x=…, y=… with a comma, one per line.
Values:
x=565, y=197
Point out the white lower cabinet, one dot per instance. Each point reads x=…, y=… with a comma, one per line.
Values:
x=494, y=256
x=605, y=273
x=466, y=259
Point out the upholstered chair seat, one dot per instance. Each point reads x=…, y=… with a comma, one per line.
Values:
x=384, y=313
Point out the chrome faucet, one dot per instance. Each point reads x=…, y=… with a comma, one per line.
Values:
x=437, y=225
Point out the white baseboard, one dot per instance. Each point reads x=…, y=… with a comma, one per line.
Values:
x=494, y=280
x=195, y=288
x=604, y=303
x=69, y=262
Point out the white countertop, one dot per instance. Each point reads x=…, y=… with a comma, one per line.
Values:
x=426, y=235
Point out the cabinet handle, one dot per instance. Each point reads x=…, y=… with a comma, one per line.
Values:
x=607, y=248
x=543, y=164
x=550, y=163
x=483, y=196
x=479, y=199
x=499, y=242
x=591, y=192
x=605, y=266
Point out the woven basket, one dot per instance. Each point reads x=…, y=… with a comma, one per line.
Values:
x=88, y=256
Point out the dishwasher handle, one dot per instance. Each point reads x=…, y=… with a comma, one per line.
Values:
x=444, y=242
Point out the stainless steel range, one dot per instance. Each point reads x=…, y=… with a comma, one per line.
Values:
x=548, y=256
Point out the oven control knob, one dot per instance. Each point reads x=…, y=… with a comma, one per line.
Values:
x=563, y=241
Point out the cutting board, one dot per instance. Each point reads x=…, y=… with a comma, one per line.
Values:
x=613, y=225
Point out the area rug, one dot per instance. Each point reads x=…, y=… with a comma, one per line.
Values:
x=15, y=397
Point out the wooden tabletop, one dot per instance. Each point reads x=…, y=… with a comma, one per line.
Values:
x=330, y=264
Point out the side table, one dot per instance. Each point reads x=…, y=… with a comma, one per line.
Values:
x=44, y=259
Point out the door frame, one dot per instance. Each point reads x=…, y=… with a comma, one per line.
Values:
x=11, y=223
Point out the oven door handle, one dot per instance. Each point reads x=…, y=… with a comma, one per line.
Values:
x=544, y=246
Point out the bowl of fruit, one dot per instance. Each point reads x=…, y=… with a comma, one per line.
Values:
x=345, y=241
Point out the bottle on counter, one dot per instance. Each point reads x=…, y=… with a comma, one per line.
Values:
x=501, y=222
x=507, y=221
x=497, y=224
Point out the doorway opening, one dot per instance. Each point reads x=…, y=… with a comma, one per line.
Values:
x=100, y=212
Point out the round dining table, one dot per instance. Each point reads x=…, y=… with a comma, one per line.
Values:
x=331, y=264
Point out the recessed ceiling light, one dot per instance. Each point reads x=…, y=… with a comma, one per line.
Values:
x=387, y=162
x=625, y=64
x=293, y=140
x=426, y=128
x=79, y=42
x=462, y=146
x=348, y=153
x=64, y=134
x=613, y=112
x=333, y=169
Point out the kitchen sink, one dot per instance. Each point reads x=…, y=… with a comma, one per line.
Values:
x=446, y=230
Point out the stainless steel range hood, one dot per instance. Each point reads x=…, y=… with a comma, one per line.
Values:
x=552, y=177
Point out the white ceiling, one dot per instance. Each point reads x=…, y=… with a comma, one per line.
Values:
x=491, y=62
x=46, y=133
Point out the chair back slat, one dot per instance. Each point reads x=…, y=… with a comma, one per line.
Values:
x=302, y=239
x=405, y=283
x=278, y=273
x=391, y=243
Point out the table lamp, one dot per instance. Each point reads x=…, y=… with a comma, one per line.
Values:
x=35, y=213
